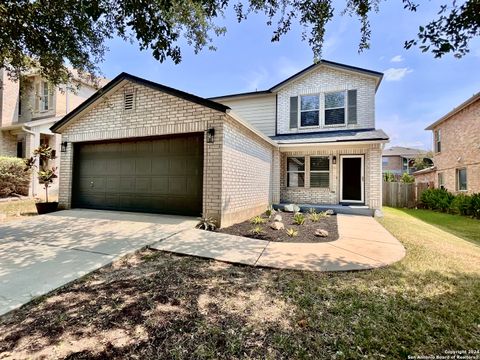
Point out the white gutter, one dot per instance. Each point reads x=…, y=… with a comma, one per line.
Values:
x=336, y=143
x=27, y=131
x=251, y=128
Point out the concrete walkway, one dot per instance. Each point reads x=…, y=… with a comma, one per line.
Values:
x=363, y=244
x=44, y=252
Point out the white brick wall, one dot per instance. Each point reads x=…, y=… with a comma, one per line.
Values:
x=237, y=176
x=306, y=195
x=323, y=80
x=247, y=179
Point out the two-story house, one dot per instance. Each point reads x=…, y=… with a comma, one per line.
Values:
x=142, y=146
x=456, y=143
x=398, y=160
x=28, y=108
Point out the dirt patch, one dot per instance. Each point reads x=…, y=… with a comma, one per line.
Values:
x=305, y=232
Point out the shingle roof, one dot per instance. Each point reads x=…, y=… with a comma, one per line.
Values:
x=272, y=90
x=402, y=151
x=331, y=136
x=462, y=106
x=125, y=76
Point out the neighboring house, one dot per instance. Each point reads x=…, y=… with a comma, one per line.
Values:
x=141, y=146
x=456, y=143
x=27, y=111
x=399, y=160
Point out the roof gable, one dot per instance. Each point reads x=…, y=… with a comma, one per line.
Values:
x=121, y=79
x=468, y=102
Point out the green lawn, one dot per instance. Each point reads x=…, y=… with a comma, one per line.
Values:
x=157, y=305
x=462, y=226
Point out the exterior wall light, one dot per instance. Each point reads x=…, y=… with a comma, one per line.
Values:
x=334, y=160
x=211, y=135
x=63, y=147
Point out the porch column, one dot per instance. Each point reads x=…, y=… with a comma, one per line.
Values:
x=32, y=141
x=276, y=169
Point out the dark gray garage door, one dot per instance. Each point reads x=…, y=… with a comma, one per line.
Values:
x=162, y=175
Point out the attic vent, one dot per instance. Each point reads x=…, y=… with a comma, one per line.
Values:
x=129, y=100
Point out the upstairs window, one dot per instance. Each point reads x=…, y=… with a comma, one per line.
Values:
x=462, y=179
x=319, y=172
x=296, y=172
x=43, y=97
x=335, y=108
x=309, y=110
x=385, y=161
x=438, y=141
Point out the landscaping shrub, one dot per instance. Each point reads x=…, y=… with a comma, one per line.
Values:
x=407, y=178
x=461, y=205
x=475, y=205
x=437, y=199
x=14, y=179
x=388, y=177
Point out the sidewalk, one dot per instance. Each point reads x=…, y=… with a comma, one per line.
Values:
x=362, y=244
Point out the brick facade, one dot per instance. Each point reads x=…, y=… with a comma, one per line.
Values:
x=331, y=195
x=326, y=79
x=236, y=174
x=455, y=154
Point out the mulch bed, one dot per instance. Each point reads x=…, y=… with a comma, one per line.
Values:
x=306, y=232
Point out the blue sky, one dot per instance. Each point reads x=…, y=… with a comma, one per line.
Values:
x=416, y=90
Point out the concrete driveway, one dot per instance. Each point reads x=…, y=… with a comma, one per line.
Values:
x=44, y=252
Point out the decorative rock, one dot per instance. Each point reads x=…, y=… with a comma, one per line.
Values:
x=329, y=212
x=291, y=208
x=378, y=213
x=277, y=225
x=278, y=218
x=321, y=233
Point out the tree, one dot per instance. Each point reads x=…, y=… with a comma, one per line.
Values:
x=48, y=34
x=423, y=161
x=407, y=178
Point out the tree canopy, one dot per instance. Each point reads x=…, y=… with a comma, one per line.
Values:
x=48, y=34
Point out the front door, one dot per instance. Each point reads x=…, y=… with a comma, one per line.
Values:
x=351, y=179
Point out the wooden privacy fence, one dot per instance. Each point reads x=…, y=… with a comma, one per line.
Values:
x=398, y=194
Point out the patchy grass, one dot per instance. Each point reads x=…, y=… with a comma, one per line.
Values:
x=14, y=209
x=461, y=226
x=157, y=305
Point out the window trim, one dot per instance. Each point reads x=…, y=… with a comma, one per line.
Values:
x=437, y=137
x=297, y=172
x=299, y=115
x=310, y=171
x=442, y=184
x=345, y=108
x=457, y=175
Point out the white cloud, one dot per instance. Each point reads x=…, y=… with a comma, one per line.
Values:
x=396, y=74
x=256, y=80
x=397, y=58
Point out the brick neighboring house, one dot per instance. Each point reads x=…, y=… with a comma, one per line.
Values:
x=399, y=160
x=137, y=145
x=27, y=111
x=456, y=143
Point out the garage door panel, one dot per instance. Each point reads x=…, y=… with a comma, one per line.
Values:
x=127, y=184
x=143, y=166
x=160, y=166
x=161, y=175
x=127, y=166
x=160, y=185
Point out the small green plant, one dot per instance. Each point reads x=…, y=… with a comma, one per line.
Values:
x=42, y=155
x=270, y=211
x=407, y=178
x=257, y=220
x=292, y=232
x=257, y=231
x=437, y=199
x=314, y=216
x=461, y=204
x=207, y=223
x=299, y=218
x=388, y=177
